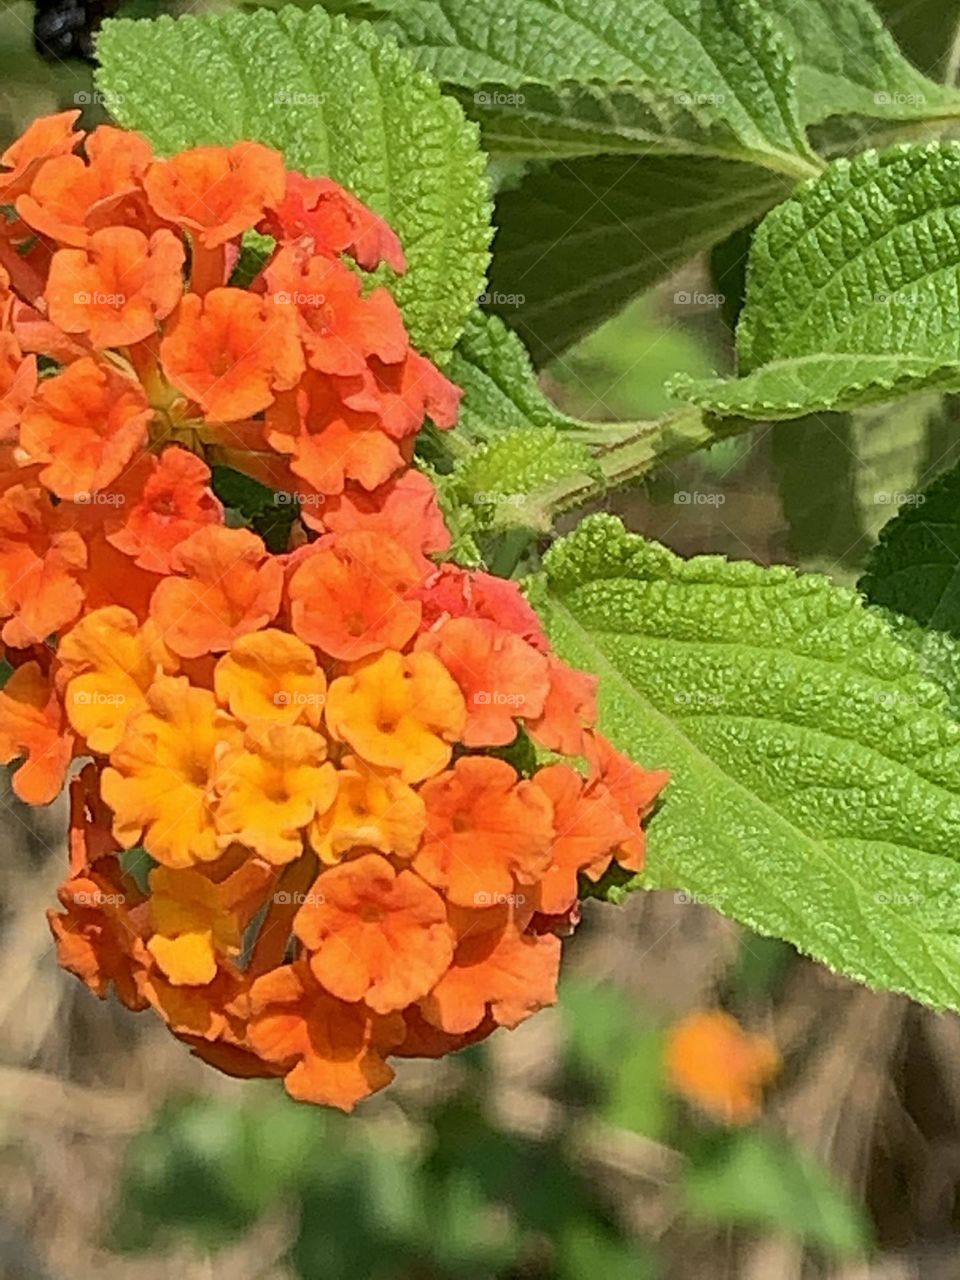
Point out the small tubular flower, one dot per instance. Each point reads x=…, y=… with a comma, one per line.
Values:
x=349, y=596
x=401, y=713
x=375, y=934
x=231, y=352
x=41, y=559
x=85, y=425
x=32, y=728
x=372, y=808
x=271, y=787
x=118, y=286
x=108, y=663
x=271, y=675
x=229, y=586
x=487, y=832
x=335, y=1052
x=160, y=780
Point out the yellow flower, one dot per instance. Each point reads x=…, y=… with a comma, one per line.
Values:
x=271, y=675
x=372, y=809
x=401, y=713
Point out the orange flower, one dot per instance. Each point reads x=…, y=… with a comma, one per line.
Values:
x=109, y=661
x=402, y=394
x=719, y=1067
x=32, y=726
x=172, y=499
x=570, y=708
x=85, y=424
x=425, y=1041
x=404, y=510
x=372, y=808
x=588, y=829
x=452, y=592
x=18, y=381
x=99, y=935
x=334, y=222
x=348, y=596
x=329, y=444
x=216, y=192
x=375, y=934
x=335, y=1051
x=197, y=920
x=48, y=136
x=271, y=675
x=632, y=789
x=500, y=971
x=501, y=677
x=231, y=587
x=160, y=783
x=340, y=327
x=68, y=198
x=118, y=286
x=402, y=713
x=40, y=559
x=271, y=788
x=487, y=831
x=231, y=352
x=90, y=835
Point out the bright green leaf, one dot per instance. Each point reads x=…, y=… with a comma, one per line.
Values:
x=574, y=77
x=336, y=100
x=815, y=791
x=854, y=290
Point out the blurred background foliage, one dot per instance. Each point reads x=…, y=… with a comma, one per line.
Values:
x=559, y=1152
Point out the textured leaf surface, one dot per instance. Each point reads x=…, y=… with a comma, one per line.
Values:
x=578, y=240
x=337, y=100
x=854, y=290
x=915, y=568
x=578, y=77
x=848, y=62
x=815, y=789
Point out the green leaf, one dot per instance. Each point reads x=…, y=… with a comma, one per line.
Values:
x=854, y=290
x=336, y=100
x=924, y=30
x=815, y=791
x=849, y=64
x=258, y=507
x=758, y=1180
x=571, y=77
x=915, y=568
x=577, y=240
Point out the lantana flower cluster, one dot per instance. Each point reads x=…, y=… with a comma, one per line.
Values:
x=328, y=806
